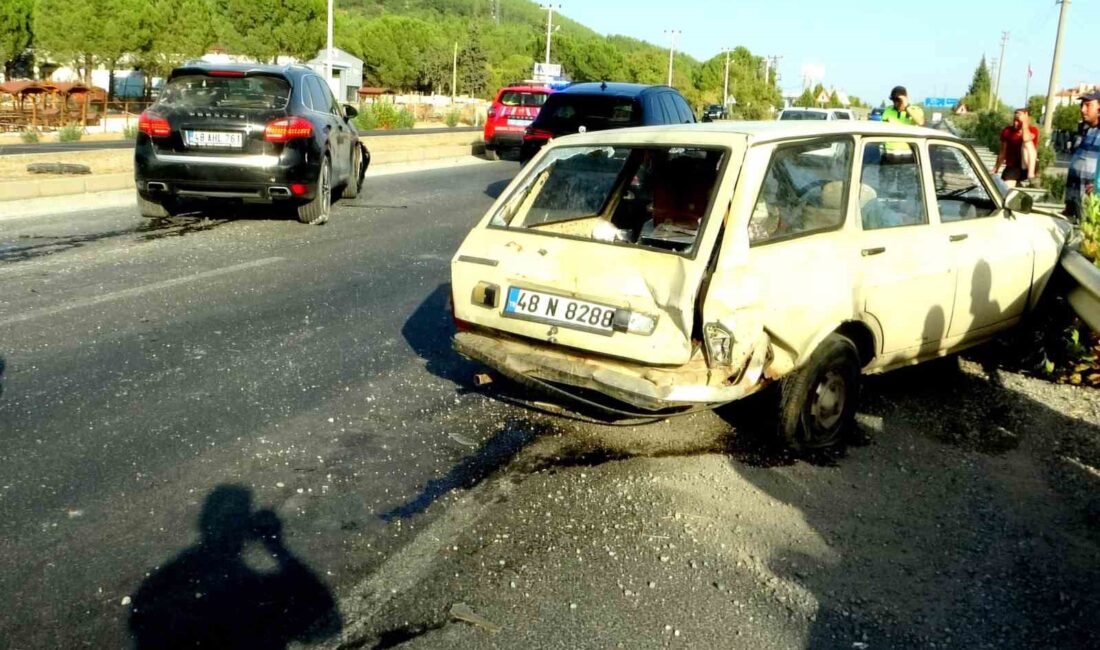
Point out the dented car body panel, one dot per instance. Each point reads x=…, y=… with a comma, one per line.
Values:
x=891, y=236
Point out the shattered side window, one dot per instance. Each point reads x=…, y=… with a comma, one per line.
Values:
x=652, y=196
x=805, y=190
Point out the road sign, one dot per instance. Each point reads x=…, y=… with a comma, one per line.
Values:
x=547, y=71
x=941, y=102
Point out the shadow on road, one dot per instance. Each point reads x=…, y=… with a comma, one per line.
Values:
x=428, y=332
x=211, y=595
x=3, y=366
x=949, y=529
x=497, y=452
x=494, y=189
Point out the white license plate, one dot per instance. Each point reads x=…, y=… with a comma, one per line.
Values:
x=214, y=139
x=519, y=121
x=548, y=308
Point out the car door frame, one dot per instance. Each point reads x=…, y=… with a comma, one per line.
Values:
x=335, y=125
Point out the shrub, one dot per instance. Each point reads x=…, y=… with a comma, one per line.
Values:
x=384, y=115
x=69, y=133
x=988, y=126
x=1055, y=185
x=451, y=118
x=130, y=132
x=1044, y=159
x=1090, y=228
x=28, y=136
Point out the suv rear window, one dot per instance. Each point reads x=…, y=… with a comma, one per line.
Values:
x=804, y=115
x=203, y=91
x=521, y=98
x=653, y=196
x=568, y=112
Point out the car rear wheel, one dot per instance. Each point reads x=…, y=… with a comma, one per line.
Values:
x=151, y=209
x=355, y=176
x=316, y=211
x=817, y=404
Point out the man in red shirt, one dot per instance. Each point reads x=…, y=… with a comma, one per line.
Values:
x=1019, y=144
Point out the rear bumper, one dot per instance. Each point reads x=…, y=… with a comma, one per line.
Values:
x=503, y=140
x=249, y=178
x=647, y=388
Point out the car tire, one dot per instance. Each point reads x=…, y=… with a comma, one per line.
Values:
x=151, y=209
x=315, y=213
x=817, y=403
x=492, y=155
x=355, y=176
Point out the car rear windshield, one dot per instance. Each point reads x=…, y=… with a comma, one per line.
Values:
x=203, y=91
x=656, y=197
x=567, y=113
x=522, y=98
x=804, y=115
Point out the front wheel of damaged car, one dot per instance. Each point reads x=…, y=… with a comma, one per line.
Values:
x=316, y=211
x=817, y=404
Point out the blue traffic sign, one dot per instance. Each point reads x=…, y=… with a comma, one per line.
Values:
x=941, y=102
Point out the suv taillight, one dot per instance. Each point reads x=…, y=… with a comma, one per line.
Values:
x=288, y=128
x=154, y=125
x=531, y=133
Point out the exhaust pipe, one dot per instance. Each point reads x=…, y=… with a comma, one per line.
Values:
x=155, y=186
x=278, y=192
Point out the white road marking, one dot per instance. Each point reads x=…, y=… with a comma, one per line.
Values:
x=136, y=291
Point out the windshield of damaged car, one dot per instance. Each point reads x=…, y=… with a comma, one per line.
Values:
x=655, y=197
x=200, y=91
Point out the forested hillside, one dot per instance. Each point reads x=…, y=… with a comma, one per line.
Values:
x=407, y=45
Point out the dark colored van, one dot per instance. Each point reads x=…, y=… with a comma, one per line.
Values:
x=597, y=106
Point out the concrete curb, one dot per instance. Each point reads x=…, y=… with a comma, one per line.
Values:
x=52, y=187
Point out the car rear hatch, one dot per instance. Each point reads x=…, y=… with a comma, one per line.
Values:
x=599, y=248
x=219, y=113
x=568, y=113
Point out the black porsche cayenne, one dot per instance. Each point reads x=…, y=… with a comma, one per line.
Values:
x=247, y=133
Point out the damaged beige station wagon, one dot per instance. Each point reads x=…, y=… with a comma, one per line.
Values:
x=662, y=269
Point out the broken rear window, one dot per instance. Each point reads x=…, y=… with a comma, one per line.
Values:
x=651, y=196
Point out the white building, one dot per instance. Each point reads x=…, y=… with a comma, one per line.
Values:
x=347, y=73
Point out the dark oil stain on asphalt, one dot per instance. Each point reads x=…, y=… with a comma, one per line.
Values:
x=154, y=229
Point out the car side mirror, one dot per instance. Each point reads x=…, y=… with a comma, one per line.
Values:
x=1019, y=201
x=349, y=111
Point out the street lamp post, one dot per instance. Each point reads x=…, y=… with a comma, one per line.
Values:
x=726, y=83
x=671, y=51
x=328, y=48
x=549, y=7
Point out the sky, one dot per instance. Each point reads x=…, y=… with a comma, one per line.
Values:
x=866, y=48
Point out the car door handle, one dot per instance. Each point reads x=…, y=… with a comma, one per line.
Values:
x=959, y=237
x=867, y=252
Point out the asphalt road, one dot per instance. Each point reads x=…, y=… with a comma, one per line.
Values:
x=92, y=145
x=147, y=368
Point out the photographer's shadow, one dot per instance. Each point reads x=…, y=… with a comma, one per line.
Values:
x=212, y=596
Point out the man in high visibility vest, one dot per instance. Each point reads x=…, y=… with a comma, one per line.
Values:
x=902, y=111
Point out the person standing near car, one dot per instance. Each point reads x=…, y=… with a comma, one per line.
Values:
x=902, y=111
x=1018, y=152
x=1081, y=178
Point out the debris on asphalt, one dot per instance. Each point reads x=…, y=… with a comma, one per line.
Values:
x=462, y=612
x=482, y=379
x=58, y=168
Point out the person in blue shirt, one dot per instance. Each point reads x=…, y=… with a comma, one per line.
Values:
x=1081, y=179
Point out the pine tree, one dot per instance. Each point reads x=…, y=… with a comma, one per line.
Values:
x=981, y=87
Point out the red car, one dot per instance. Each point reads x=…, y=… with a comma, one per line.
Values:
x=513, y=110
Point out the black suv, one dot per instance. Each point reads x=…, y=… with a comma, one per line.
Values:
x=597, y=106
x=715, y=112
x=247, y=133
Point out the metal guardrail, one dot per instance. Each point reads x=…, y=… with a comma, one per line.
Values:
x=1085, y=296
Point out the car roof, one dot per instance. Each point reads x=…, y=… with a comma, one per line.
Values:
x=754, y=132
x=262, y=68
x=615, y=88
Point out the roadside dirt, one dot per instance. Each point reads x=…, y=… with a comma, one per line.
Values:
x=966, y=516
x=104, y=161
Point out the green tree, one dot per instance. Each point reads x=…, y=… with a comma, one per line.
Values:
x=125, y=31
x=66, y=32
x=193, y=32
x=1035, y=106
x=807, y=99
x=473, y=65
x=16, y=30
x=834, y=100
x=981, y=88
x=264, y=29
x=1066, y=118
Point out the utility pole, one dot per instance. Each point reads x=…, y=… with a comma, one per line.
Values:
x=454, y=74
x=726, y=83
x=671, y=51
x=769, y=63
x=994, y=69
x=328, y=51
x=1000, y=69
x=549, y=7
x=1048, y=117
